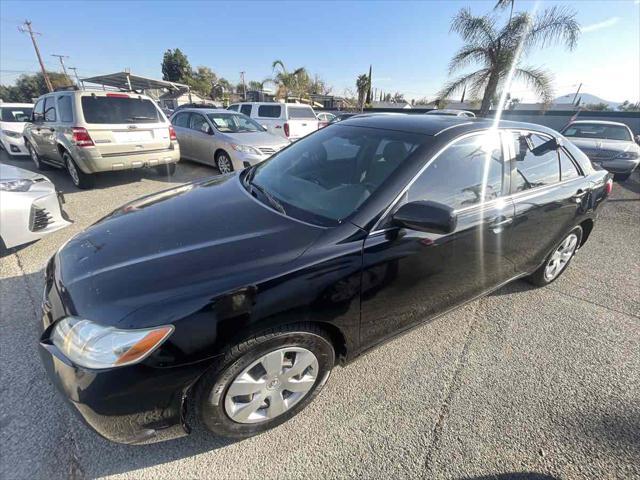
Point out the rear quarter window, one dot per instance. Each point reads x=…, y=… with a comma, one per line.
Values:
x=301, y=112
x=246, y=109
x=269, y=111
x=119, y=110
x=64, y=108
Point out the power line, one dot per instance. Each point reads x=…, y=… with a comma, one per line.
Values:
x=61, y=58
x=33, y=34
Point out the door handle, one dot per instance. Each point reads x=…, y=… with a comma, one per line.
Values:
x=52, y=129
x=38, y=129
x=498, y=224
x=579, y=195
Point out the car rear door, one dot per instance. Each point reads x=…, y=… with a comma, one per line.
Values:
x=180, y=122
x=124, y=124
x=301, y=120
x=409, y=275
x=548, y=202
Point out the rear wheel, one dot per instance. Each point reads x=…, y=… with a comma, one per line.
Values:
x=35, y=157
x=264, y=381
x=78, y=177
x=223, y=162
x=558, y=260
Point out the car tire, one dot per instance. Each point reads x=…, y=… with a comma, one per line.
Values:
x=271, y=404
x=224, y=163
x=621, y=177
x=561, y=256
x=80, y=179
x=168, y=169
x=35, y=157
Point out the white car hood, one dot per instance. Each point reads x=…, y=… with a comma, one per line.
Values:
x=8, y=172
x=13, y=126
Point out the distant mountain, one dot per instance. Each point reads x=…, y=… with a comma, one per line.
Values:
x=585, y=99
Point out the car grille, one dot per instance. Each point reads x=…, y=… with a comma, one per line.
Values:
x=267, y=150
x=601, y=154
x=39, y=219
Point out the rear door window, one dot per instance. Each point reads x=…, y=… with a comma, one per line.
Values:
x=50, y=109
x=119, y=110
x=235, y=107
x=64, y=108
x=568, y=170
x=531, y=170
x=246, y=109
x=269, y=111
x=181, y=120
x=301, y=113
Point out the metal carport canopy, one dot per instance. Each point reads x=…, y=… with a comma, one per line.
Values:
x=128, y=81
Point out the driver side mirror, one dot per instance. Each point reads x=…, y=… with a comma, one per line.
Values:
x=638, y=139
x=425, y=216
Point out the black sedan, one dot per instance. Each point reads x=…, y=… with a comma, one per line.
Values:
x=229, y=300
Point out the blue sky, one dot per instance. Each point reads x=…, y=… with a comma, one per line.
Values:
x=408, y=43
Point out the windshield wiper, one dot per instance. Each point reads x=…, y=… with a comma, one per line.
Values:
x=274, y=203
x=141, y=118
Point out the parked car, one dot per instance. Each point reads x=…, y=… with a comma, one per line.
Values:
x=13, y=118
x=29, y=207
x=88, y=132
x=609, y=145
x=342, y=116
x=289, y=120
x=324, y=119
x=257, y=284
x=228, y=140
x=451, y=112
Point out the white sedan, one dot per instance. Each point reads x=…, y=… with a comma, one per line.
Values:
x=13, y=117
x=29, y=206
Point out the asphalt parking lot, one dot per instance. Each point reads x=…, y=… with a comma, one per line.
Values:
x=525, y=383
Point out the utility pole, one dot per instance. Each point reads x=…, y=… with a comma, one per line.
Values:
x=64, y=69
x=576, y=95
x=75, y=71
x=244, y=87
x=35, y=46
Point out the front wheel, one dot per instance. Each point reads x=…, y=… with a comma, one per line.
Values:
x=558, y=260
x=35, y=157
x=264, y=381
x=223, y=162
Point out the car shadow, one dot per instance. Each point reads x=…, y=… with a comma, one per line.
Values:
x=517, y=286
x=513, y=476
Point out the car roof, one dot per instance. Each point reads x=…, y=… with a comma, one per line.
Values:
x=7, y=104
x=206, y=110
x=599, y=122
x=436, y=124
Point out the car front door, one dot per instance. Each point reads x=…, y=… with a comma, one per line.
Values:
x=409, y=275
x=180, y=122
x=201, y=139
x=547, y=203
x=35, y=128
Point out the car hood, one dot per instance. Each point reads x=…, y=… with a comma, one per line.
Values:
x=13, y=126
x=256, y=139
x=200, y=239
x=9, y=172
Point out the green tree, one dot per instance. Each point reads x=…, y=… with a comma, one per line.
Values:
x=598, y=107
x=29, y=87
x=494, y=48
x=175, y=66
x=627, y=106
x=362, y=86
x=201, y=81
x=290, y=83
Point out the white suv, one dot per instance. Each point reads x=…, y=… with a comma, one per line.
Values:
x=289, y=120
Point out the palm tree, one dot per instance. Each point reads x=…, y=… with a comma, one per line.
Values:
x=296, y=82
x=362, y=85
x=502, y=4
x=496, y=49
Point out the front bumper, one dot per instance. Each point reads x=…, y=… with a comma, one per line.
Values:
x=243, y=160
x=135, y=405
x=91, y=161
x=617, y=166
x=13, y=145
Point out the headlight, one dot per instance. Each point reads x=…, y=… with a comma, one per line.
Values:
x=20, y=185
x=245, y=149
x=626, y=156
x=90, y=345
x=12, y=134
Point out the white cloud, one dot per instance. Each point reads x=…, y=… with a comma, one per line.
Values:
x=609, y=22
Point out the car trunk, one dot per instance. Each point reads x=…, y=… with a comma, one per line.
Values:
x=302, y=121
x=124, y=124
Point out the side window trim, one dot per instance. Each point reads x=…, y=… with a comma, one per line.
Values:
x=572, y=160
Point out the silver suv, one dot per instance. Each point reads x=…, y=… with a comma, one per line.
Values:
x=88, y=132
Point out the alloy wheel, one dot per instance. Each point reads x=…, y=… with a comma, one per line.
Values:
x=224, y=164
x=34, y=156
x=561, y=257
x=72, y=171
x=271, y=385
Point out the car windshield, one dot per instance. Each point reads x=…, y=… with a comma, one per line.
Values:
x=595, y=130
x=327, y=176
x=233, y=123
x=16, y=114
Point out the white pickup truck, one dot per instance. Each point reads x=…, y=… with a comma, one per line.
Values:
x=289, y=120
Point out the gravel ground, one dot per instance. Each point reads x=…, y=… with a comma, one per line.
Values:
x=525, y=383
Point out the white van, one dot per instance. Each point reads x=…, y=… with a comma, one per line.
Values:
x=289, y=120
